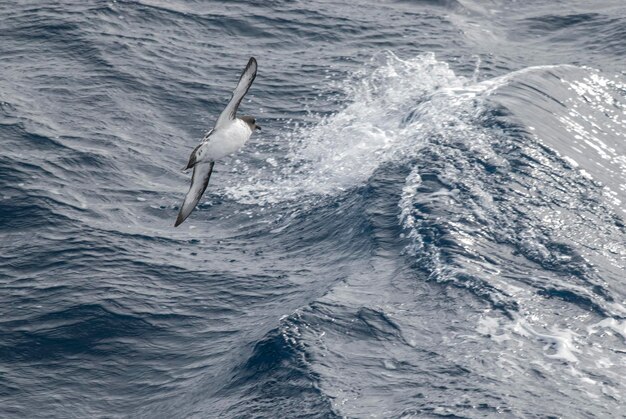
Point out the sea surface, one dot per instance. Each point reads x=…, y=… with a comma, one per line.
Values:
x=432, y=222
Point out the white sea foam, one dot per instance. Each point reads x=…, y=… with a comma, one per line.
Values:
x=382, y=121
x=579, y=349
x=393, y=106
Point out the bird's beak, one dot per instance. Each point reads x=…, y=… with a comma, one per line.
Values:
x=257, y=127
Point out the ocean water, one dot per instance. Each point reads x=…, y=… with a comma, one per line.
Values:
x=431, y=223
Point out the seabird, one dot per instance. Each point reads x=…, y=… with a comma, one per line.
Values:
x=229, y=135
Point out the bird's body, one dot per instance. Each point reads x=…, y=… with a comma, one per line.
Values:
x=228, y=136
x=221, y=142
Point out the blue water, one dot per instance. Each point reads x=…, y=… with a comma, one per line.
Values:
x=431, y=223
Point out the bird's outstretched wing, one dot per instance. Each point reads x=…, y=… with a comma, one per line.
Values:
x=199, y=181
x=245, y=81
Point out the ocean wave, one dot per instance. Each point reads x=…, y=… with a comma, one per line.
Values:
x=491, y=206
x=413, y=233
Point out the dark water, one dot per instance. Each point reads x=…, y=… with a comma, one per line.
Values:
x=431, y=223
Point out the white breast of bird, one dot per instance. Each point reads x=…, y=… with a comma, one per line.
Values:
x=226, y=140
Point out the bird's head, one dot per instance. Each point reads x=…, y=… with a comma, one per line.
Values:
x=251, y=123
